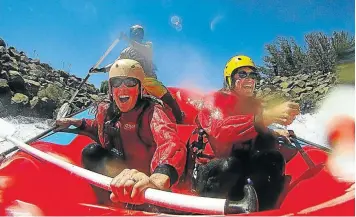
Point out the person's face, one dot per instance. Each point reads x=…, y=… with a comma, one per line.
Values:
x=137, y=35
x=244, y=81
x=125, y=92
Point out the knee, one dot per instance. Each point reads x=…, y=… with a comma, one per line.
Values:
x=218, y=176
x=93, y=151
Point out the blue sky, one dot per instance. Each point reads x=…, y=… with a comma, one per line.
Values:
x=75, y=33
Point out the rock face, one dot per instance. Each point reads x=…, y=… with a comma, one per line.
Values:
x=306, y=89
x=31, y=88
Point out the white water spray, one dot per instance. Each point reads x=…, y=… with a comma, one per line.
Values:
x=26, y=128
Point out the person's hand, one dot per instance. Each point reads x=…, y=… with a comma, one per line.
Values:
x=282, y=133
x=283, y=114
x=123, y=36
x=91, y=70
x=129, y=186
x=64, y=123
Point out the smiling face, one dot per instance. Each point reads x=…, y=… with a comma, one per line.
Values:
x=244, y=80
x=125, y=92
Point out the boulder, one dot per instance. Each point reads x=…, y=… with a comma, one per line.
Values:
x=295, y=92
x=23, y=67
x=10, y=66
x=32, y=87
x=300, y=83
x=4, y=87
x=53, y=92
x=24, y=59
x=63, y=74
x=19, y=99
x=37, y=73
x=4, y=75
x=286, y=84
x=35, y=61
x=277, y=80
x=2, y=50
x=286, y=90
x=2, y=43
x=310, y=84
x=6, y=57
x=43, y=107
x=284, y=79
x=16, y=82
x=13, y=52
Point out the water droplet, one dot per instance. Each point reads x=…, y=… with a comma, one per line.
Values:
x=176, y=23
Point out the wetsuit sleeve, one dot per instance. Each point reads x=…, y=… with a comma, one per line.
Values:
x=170, y=155
x=89, y=127
x=223, y=133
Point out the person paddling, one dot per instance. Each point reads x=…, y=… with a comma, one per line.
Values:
x=143, y=53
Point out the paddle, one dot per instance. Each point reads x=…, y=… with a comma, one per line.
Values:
x=306, y=158
x=324, y=148
x=191, y=204
x=304, y=141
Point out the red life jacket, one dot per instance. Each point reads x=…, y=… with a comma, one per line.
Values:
x=129, y=133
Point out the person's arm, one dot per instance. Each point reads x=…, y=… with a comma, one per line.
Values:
x=167, y=164
x=86, y=127
x=170, y=156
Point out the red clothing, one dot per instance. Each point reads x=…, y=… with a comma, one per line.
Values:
x=146, y=143
x=229, y=121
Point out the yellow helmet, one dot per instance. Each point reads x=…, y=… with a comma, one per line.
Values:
x=234, y=63
x=127, y=68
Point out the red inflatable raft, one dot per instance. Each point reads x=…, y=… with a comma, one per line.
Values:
x=29, y=184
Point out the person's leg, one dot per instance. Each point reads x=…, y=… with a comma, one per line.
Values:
x=266, y=171
x=216, y=178
x=220, y=178
x=100, y=160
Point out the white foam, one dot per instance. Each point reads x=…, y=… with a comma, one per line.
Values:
x=26, y=128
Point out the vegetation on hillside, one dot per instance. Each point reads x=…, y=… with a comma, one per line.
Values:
x=321, y=53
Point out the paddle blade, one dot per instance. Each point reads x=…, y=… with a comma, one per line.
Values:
x=6, y=129
x=63, y=111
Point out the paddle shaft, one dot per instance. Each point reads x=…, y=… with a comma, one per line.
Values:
x=326, y=149
x=188, y=203
x=306, y=158
x=95, y=66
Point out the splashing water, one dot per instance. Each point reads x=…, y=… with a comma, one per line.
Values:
x=26, y=128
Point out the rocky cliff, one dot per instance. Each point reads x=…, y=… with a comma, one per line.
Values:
x=31, y=88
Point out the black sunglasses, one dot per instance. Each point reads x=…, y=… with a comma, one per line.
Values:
x=128, y=82
x=243, y=74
